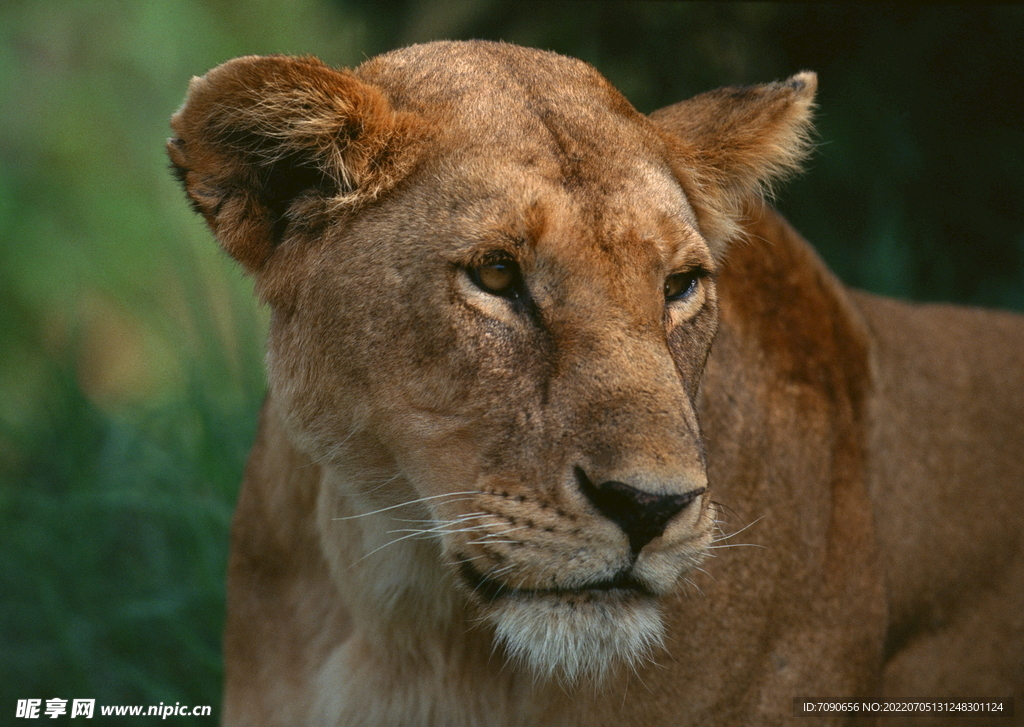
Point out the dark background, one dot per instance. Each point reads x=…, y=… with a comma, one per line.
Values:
x=130, y=361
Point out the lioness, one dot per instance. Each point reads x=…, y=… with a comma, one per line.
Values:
x=533, y=358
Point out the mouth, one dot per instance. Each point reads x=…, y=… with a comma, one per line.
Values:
x=623, y=585
x=569, y=633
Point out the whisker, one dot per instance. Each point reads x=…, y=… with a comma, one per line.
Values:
x=441, y=529
x=731, y=535
x=411, y=502
x=721, y=507
x=384, y=483
x=502, y=571
x=390, y=542
x=492, y=542
x=446, y=527
x=506, y=532
x=455, y=521
x=705, y=573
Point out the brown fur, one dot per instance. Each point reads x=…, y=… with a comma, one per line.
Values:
x=417, y=539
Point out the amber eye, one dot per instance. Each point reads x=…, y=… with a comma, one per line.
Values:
x=499, y=277
x=680, y=286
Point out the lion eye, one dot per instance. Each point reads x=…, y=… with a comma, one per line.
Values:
x=501, y=277
x=680, y=286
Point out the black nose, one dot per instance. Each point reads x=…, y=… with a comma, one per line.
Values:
x=643, y=516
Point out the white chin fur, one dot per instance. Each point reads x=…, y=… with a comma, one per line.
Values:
x=566, y=639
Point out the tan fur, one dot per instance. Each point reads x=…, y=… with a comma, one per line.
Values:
x=428, y=531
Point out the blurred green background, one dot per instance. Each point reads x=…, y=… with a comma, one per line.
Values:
x=130, y=348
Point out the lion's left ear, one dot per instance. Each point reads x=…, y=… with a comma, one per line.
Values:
x=734, y=142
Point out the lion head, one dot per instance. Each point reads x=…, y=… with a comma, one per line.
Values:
x=492, y=285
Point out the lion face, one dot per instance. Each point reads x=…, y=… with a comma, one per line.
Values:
x=519, y=370
x=493, y=296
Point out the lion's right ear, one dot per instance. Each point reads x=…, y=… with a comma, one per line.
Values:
x=263, y=143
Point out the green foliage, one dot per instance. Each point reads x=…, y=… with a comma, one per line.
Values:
x=130, y=348
x=114, y=549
